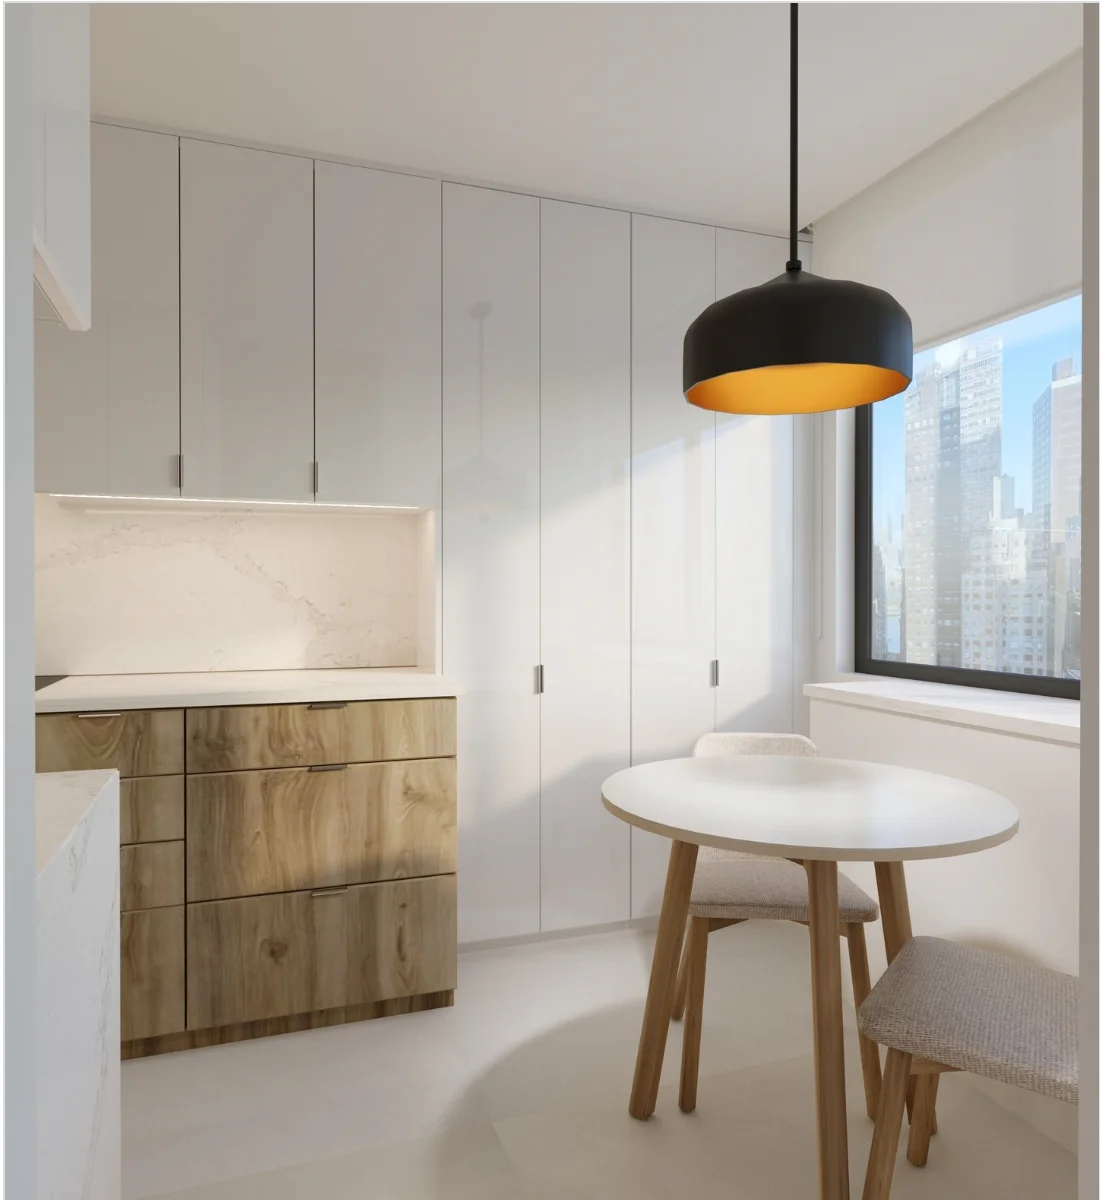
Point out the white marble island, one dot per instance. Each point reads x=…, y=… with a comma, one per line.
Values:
x=76, y=849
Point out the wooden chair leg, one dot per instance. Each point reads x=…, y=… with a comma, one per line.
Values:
x=861, y=989
x=884, y=1144
x=680, y=998
x=698, y=937
x=924, y=1115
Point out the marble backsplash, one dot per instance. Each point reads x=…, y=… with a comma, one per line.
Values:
x=132, y=589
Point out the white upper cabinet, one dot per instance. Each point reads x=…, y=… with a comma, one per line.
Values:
x=490, y=534
x=672, y=518
x=246, y=328
x=755, y=582
x=585, y=560
x=107, y=411
x=377, y=273
x=60, y=154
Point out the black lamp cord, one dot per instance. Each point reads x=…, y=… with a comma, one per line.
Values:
x=794, y=264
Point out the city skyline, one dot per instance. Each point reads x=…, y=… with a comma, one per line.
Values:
x=976, y=502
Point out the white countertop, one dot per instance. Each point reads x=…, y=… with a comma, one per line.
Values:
x=61, y=801
x=90, y=693
x=1046, y=717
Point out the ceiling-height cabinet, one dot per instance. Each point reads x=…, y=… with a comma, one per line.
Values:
x=246, y=323
x=755, y=525
x=107, y=400
x=585, y=576
x=490, y=535
x=377, y=279
x=672, y=519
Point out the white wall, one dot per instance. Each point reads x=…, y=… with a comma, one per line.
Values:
x=1019, y=898
x=177, y=588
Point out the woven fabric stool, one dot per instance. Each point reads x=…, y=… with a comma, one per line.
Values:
x=942, y=1007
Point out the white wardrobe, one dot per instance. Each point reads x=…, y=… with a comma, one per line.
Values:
x=617, y=565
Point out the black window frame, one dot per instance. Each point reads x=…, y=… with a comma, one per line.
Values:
x=1001, y=681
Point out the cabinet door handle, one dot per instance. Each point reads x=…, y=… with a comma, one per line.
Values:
x=330, y=767
x=94, y=716
x=329, y=891
x=329, y=704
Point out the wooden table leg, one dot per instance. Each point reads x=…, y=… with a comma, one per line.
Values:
x=832, y=1112
x=662, y=979
x=897, y=929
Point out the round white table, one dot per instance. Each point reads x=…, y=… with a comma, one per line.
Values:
x=817, y=811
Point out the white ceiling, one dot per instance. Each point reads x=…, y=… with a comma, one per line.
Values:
x=668, y=108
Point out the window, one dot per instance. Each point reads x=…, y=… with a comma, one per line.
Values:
x=968, y=512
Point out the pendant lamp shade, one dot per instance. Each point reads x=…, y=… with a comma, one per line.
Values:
x=799, y=343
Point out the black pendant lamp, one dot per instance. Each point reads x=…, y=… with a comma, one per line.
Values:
x=799, y=343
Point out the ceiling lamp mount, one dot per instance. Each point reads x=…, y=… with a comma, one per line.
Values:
x=798, y=343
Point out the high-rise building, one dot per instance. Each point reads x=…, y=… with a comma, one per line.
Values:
x=1056, y=504
x=922, y=450
x=979, y=384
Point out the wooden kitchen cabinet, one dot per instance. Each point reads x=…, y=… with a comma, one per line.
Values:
x=151, y=810
x=250, y=832
x=250, y=737
x=260, y=957
x=246, y=323
x=148, y=742
x=151, y=875
x=152, y=973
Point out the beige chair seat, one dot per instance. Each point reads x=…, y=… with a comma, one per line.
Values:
x=745, y=888
x=979, y=1012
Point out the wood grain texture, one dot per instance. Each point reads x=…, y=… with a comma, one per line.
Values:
x=832, y=1120
x=251, y=737
x=884, y=1143
x=151, y=809
x=152, y=972
x=662, y=979
x=151, y=875
x=698, y=936
x=861, y=989
x=220, y=1035
x=272, y=956
x=142, y=742
x=253, y=832
x=924, y=1111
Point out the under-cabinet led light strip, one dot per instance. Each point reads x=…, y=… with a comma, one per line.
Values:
x=304, y=505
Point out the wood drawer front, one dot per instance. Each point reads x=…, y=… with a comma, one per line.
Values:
x=251, y=832
x=271, y=956
x=151, y=809
x=146, y=742
x=151, y=875
x=250, y=737
x=152, y=972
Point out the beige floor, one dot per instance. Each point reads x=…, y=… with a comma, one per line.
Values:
x=519, y=1093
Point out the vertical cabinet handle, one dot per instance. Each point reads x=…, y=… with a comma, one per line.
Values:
x=714, y=672
x=540, y=682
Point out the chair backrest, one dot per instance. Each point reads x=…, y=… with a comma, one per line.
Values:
x=711, y=745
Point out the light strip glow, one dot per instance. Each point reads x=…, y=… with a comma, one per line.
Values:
x=298, y=505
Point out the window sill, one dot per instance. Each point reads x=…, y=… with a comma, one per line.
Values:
x=1045, y=718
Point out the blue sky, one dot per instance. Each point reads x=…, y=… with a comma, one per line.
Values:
x=1033, y=343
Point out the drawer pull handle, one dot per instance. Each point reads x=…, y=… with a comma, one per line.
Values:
x=91, y=716
x=329, y=891
x=330, y=767
x=329, y=704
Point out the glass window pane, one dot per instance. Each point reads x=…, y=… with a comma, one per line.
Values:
x=976, y=502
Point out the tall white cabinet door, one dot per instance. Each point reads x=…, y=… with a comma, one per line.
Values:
x=490, y=533
x=377, y=276
x=246, y=328
x=672, y=522
x=585, y=560
x=106, y=401
x=755, y=488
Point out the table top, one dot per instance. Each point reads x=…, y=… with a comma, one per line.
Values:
x=828, y=809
